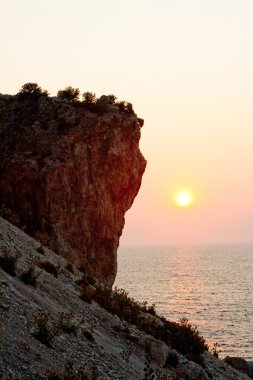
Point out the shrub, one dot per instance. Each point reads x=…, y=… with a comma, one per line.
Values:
x=89, y=98
x=86, y=279
x=88, y=290
x=126, y=353
x=49, y=268
x=30, y=276
x=67, y=325
x=42, y=237
x=69, y=93
x=111, y=99
x=215, y=351
x=186, y=339
x=31, y=90
x=44, y=331
x=118, y=302
x=126, y=107
x=151, y=327
x=8, y=262
x=87, y=293
x=106, y=100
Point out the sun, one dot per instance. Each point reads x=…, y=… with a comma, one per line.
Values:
x=183, y=198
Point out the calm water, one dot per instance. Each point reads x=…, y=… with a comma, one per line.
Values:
x=212, y=286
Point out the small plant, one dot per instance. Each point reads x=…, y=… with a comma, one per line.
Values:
x=49, y=268
x=45, y=332
x=126, y=107
x=30, y=276
x=43, y=238
x=87, y=287
x=126, y=353
x=215, y=351
x=118, y=302
x=67, y=325
x=186, y=339
x=87, y=293
x=86, y=279
x=8, y=261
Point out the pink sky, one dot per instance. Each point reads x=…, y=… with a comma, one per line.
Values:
x=187, y=68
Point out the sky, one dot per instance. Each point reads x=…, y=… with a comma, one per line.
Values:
x=186, y=66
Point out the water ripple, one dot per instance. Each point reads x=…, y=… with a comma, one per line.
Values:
x=210, y=285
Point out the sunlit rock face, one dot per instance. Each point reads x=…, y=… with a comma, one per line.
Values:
x=71, y=174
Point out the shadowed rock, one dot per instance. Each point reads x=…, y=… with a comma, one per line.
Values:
x=71, y=175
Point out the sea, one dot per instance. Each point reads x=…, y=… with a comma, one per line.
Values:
x=211, y=286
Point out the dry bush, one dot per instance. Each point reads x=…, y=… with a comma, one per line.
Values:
x=45, y=331
x=42, y=237
x=67, y=324
x=8, y=261
x=30, y=276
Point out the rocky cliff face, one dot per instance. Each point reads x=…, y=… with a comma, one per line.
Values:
x=70, y=175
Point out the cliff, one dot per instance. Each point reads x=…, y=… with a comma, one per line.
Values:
x=70, y=172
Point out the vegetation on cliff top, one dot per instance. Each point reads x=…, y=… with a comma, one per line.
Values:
x=71, y=94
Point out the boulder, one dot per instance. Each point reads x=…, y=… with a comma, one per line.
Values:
x=240, y=364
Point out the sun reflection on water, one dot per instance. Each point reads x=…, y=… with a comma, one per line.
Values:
x=209, y=285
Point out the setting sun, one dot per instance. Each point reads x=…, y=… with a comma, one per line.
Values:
x=183, y=198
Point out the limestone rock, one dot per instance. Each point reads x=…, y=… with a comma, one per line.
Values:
x=70, y=175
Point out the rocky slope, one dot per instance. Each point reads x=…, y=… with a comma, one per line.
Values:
x=70, y=175
x=48, y=332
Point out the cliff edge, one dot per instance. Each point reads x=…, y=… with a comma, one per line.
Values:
x=70, y=172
